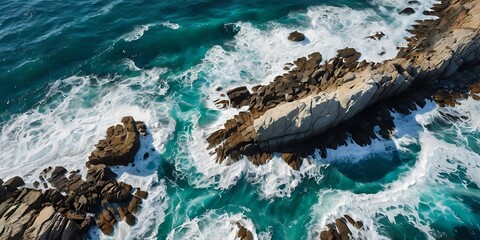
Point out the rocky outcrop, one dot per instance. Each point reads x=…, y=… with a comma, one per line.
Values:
x=311, y=98
x=120, y=145
x=339, y=229
x=66, y=210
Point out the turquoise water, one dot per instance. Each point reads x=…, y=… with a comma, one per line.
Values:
x=70, y=69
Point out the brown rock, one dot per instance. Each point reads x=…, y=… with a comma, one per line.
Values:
x=239, y=96
x=349, y=219
x=358, y=224
x=119, y=147
x=296, y=36
x=75, y=216
x=342, y=229
x=133, y=205
x=142, y=194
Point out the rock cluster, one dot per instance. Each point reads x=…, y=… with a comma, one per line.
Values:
x=120, y=145
x=73, y=205
x=31, y=214
x=313, y=98
x=339, y=230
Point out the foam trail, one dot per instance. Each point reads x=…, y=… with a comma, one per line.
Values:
x=136, y=33
x=253, y=57
x=418, y=186
x=258, y=53
x=213, y=226
x=62, y=129
x=170, y=25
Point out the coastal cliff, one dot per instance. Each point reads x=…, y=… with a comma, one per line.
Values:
x=313, y=98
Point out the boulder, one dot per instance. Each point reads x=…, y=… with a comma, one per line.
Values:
x=296, y=36
x=142, y=194
x=407, y=11
x=13, y=183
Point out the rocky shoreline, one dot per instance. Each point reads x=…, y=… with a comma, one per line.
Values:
x=330, y=99
x=73, y=205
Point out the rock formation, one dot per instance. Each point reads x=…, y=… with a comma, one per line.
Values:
x=120, y=145
x=310, y=99
x=65, y=211
x=339, y=229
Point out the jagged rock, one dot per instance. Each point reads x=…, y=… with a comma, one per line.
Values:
x=106, y=221
x=97, y=173
x=75, y=216
x=239, y=96
x=133, y=205
x=13, y=183
x=35, y=229
x=304, y=103
x=119, y=147
x=296, y=36
x=142, y=194
x=407, y=11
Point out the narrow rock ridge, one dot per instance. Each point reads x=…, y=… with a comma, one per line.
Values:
x=311, y=98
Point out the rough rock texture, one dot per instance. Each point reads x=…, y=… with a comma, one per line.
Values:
x=296, y=36
x=120, y=145
x=61, y=212
x=311, y=99
x=339, y=229
x=243, y=233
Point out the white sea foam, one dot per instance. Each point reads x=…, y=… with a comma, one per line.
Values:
x=137, y=32
x=257, y=54
x=212, y=225
x=171, y=25
x=418, y=185
x=63, y=127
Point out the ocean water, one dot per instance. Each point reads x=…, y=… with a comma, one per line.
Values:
x=69, y=69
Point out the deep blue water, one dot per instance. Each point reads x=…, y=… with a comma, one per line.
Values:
x=69, y=69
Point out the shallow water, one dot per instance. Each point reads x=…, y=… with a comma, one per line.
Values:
x=71, y=69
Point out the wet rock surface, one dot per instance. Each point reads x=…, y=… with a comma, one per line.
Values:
x=344, y=97
x=243, y=233
x=71, y=207
x=339, y=230
x=296, y=36
x=120, y=144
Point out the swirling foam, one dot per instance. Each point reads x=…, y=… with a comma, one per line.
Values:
x=62, y=129
x=212, y=225
x=257, y=54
